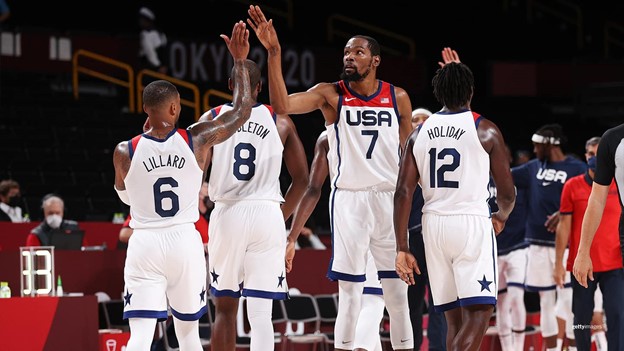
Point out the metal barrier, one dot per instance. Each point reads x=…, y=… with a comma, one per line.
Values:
x=78, y=68
x=194, y=103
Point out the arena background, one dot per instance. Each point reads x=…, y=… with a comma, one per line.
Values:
x=535, y=62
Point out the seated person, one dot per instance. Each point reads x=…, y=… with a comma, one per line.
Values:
x=53, y=212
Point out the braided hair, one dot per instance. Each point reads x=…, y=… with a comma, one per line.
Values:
x=453, y=85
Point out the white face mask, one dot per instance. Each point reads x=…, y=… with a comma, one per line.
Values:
x=54, y=221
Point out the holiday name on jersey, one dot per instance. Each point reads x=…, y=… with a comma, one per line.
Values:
x=158, y=161
x=255, y=128
x=447, y=131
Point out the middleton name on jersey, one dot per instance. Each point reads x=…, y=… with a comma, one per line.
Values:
x=255, y=128
x=158, y=161
x=445, y=131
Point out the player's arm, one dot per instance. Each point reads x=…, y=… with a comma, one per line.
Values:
x=407, y=181
x=121, y=162
x=494, y=144
x=209, y=133
x=296, y=164
x=405, y=115
x=406, y=185
x=583, y=267
x=282, y=103
x=318, y=173
x=562, y=236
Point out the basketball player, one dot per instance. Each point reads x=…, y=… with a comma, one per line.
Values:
x=247, y=247
x=451, y=157
x=159, y=174
x=367, y=121
x=543, y=178
x=367, y=327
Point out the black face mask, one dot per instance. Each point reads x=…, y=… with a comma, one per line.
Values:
x=15, y=201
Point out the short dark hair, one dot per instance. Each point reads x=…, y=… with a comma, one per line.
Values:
x=373, y=44
x=158, y=92
x=7, y=185
x=254, y=73
x=453, y=85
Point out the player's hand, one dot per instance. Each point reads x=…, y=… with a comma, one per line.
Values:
x=498, y=223
x=551, y=222
x=448, y=55
x=290, y=255
x=583, y=269
x=559, y=274
x=238, y=44
x=264, y=29
x=405, y=266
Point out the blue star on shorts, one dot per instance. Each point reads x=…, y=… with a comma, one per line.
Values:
x=485, y=284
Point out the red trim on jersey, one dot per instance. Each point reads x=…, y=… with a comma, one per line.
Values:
x=269, y=108
x=216, y=110
x=135, y=141
x=475, y=116
x=183, y=133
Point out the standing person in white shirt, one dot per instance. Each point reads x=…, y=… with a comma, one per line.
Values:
x=152, y=52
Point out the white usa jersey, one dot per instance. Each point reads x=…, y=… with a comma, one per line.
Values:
x=454, y=168
x=364, y=141
x=163, y=181
x=247, y=165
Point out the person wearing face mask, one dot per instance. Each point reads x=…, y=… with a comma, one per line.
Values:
x=605, y=255
x=53, y=212
x=10, y=202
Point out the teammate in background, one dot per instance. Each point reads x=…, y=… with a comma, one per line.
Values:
x=159, y=174
x=543, y=178
x=247, y=245
x=436, y=326
x=367, y=121
x=367, y=327
x=609, y=168
x=512, y=250
x=455, y=151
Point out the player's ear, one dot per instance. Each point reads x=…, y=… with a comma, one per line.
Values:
x=376, y=60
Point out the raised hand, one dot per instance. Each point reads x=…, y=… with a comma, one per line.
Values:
x=264, y=29
x=238, y=44
x=448, y=55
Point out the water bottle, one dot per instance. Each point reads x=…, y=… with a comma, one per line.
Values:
x=5, y=291
x=59, y=286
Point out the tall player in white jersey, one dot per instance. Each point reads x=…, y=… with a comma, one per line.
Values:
x=159, y=174
x=247, y=231
x=367, y=122
x=451, y=156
